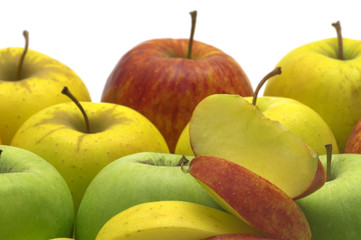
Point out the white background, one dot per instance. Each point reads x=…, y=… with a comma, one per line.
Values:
x=91, y=36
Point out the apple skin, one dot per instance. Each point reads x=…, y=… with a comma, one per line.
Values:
x=353, y=144
x=238, y=236
x=333, y=211
x=251, y=198
x=42, y=79
x=58, y=134
x=313, y=75
x=300, y=119
x=134, y=179
x=157, y=79
x=35, y=201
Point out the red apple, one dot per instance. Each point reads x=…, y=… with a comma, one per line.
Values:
x=159, y=80
x=238, y=236
x=353, y=144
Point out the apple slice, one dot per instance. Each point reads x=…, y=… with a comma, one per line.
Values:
x=238, y=236
x=230, y=127
x=251, y=198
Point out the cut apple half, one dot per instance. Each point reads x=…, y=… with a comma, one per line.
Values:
x=228, y=126
x=251, y=198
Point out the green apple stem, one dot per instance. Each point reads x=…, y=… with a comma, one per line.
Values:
x=275, y=71
x=181, y=163
x=18, y=72
x=337, y=25
x=190, y=46
x=67, y=92
x=329, y=159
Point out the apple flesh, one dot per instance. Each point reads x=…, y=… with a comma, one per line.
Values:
x=250, y=197
x=157, y=79
x=134, y=179
x=228, y=126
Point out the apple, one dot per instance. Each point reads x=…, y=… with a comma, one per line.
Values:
x=134, y=179
x=238, y=236
x=35, y=85
x=353, y=144
x=300, y=119
x=80, y=150
x=176, y=220
x=314, y=75
x=251, y=198
x=333, y=211
x=159, y=79
x=228, y=126
x=35, y=200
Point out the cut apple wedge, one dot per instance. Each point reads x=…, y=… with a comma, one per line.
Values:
x=238, y=236
x=251, y=198
x=171, y=220
x=228, y=126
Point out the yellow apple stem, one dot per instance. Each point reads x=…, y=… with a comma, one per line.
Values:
x=18, y=72
x=329, y=159
x=67, y=92
x=275, y=71
x=194, y=20
x=337, y=25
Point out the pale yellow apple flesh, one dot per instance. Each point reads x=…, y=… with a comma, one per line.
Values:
x=230, y=127
x=250, y=197
x=171, y=220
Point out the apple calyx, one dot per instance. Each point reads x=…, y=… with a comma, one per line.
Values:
x=329, y=160
x=337, y=25
x=67, y=92
x=274, y=72
x=18, y=72
x=194, y=20
x=181, y=163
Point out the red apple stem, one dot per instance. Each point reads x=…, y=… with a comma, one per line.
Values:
x=190, y=46
x=337, y=25
x=20, y=66
x=275, y=71
x=329, y=159
x=181, y=163
x=67, y=92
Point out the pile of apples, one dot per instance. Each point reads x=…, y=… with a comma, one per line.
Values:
x=181, y=147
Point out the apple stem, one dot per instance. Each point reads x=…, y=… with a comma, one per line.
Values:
x=275, y=71
x=18, y=72
x=67, y=92
x=337, y=25
x=329, y=159
x=194, y=20
x=181, y=163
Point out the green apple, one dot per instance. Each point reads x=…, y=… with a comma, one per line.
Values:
x=159, y=79
x=58, y=134
x=135, y=179
x=251, y=198
x=228, y=126
x=35, y=87
x=333, y=211
x=300, y=119
x=314, y=75
x=35, y=201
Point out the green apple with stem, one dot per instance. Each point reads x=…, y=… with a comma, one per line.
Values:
x=333, y=211
x=164, y=79
x=324, y=75
x=134, y=179
x=80, y=143
x=300, y=119
x=29, y=82
x=35, y=201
